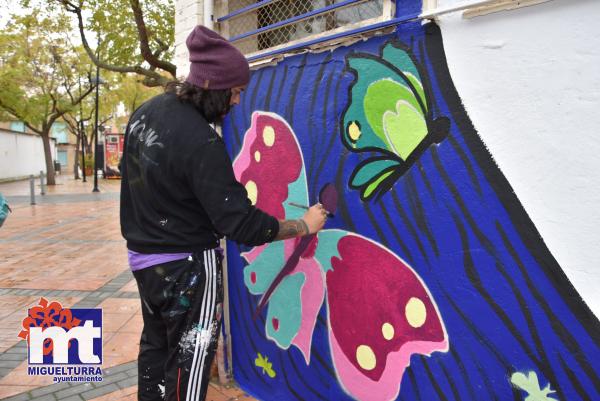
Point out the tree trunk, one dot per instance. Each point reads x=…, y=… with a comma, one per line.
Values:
x=50, y=180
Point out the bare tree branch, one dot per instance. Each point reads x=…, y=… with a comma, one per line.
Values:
x=83, y=95
x=19, y=117
x=106, y=120
x=59, y=113
x=145, y=50
x=73, y=124
x=150, y=74
x=163, y=47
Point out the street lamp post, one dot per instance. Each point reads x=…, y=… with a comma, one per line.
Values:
x=97, y=133
x=81, y=132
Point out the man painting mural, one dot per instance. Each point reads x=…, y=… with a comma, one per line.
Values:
x=179, y=196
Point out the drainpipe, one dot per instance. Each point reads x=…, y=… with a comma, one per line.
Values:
x=209, y=6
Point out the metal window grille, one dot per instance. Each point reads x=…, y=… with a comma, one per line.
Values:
x=258, y=26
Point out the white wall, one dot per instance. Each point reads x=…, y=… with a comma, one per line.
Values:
x=530, y=81
x=22, y=154
x=188, y=14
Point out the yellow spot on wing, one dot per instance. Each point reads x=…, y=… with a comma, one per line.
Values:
x=354, y=131
x=252, y=190
x=269, y=135
x=257, y=156
x=366, y=357
x=416, y=314
x=388, y=331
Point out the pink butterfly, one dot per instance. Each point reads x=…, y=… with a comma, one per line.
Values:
x=380, y=311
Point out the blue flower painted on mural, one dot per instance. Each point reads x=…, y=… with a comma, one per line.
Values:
x=390, y=114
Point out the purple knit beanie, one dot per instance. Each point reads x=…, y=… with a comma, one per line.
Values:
x=215, y=63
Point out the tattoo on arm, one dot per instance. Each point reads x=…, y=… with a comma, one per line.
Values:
x=291, y=229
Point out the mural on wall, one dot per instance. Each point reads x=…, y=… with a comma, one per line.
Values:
x=370, y=351
x=447, y=230
x=389, y=113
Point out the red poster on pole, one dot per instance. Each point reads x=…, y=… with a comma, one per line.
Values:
x=113, y=150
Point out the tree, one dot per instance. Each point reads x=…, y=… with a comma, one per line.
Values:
x=76, y=120
x=132, y=93
x=126, y=93
x=37, y=84
x=132, y=37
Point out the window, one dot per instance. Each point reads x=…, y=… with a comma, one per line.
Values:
x=62, y=158
x=59, y=131
x=17, y=126
x=257, y=27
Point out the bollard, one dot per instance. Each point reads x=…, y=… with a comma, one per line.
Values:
x=32, y=188
x=42, y=186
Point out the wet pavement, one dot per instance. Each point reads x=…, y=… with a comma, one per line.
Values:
x=68, y=248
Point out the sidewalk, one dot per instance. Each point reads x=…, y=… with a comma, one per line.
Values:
x=68, y=248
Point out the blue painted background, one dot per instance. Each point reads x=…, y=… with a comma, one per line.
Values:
x=505, y=301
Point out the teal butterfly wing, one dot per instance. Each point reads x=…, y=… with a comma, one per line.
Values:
x=284, y=311
x=373, y=176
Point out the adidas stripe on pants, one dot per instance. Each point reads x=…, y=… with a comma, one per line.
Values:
x=181, y=308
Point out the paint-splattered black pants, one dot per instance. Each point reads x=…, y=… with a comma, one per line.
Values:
x=181, y=307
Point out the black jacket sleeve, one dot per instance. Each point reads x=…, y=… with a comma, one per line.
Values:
x=225, y=200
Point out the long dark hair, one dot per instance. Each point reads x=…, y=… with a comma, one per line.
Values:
x=212, y=103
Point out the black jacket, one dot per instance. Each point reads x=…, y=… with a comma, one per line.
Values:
x=178, y=189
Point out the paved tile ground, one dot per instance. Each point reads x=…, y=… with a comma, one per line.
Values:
x=68, y=248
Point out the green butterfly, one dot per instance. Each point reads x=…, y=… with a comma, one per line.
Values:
x=389, y=113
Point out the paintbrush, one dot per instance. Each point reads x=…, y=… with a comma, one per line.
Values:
x=328, y=198
x=306, y=208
